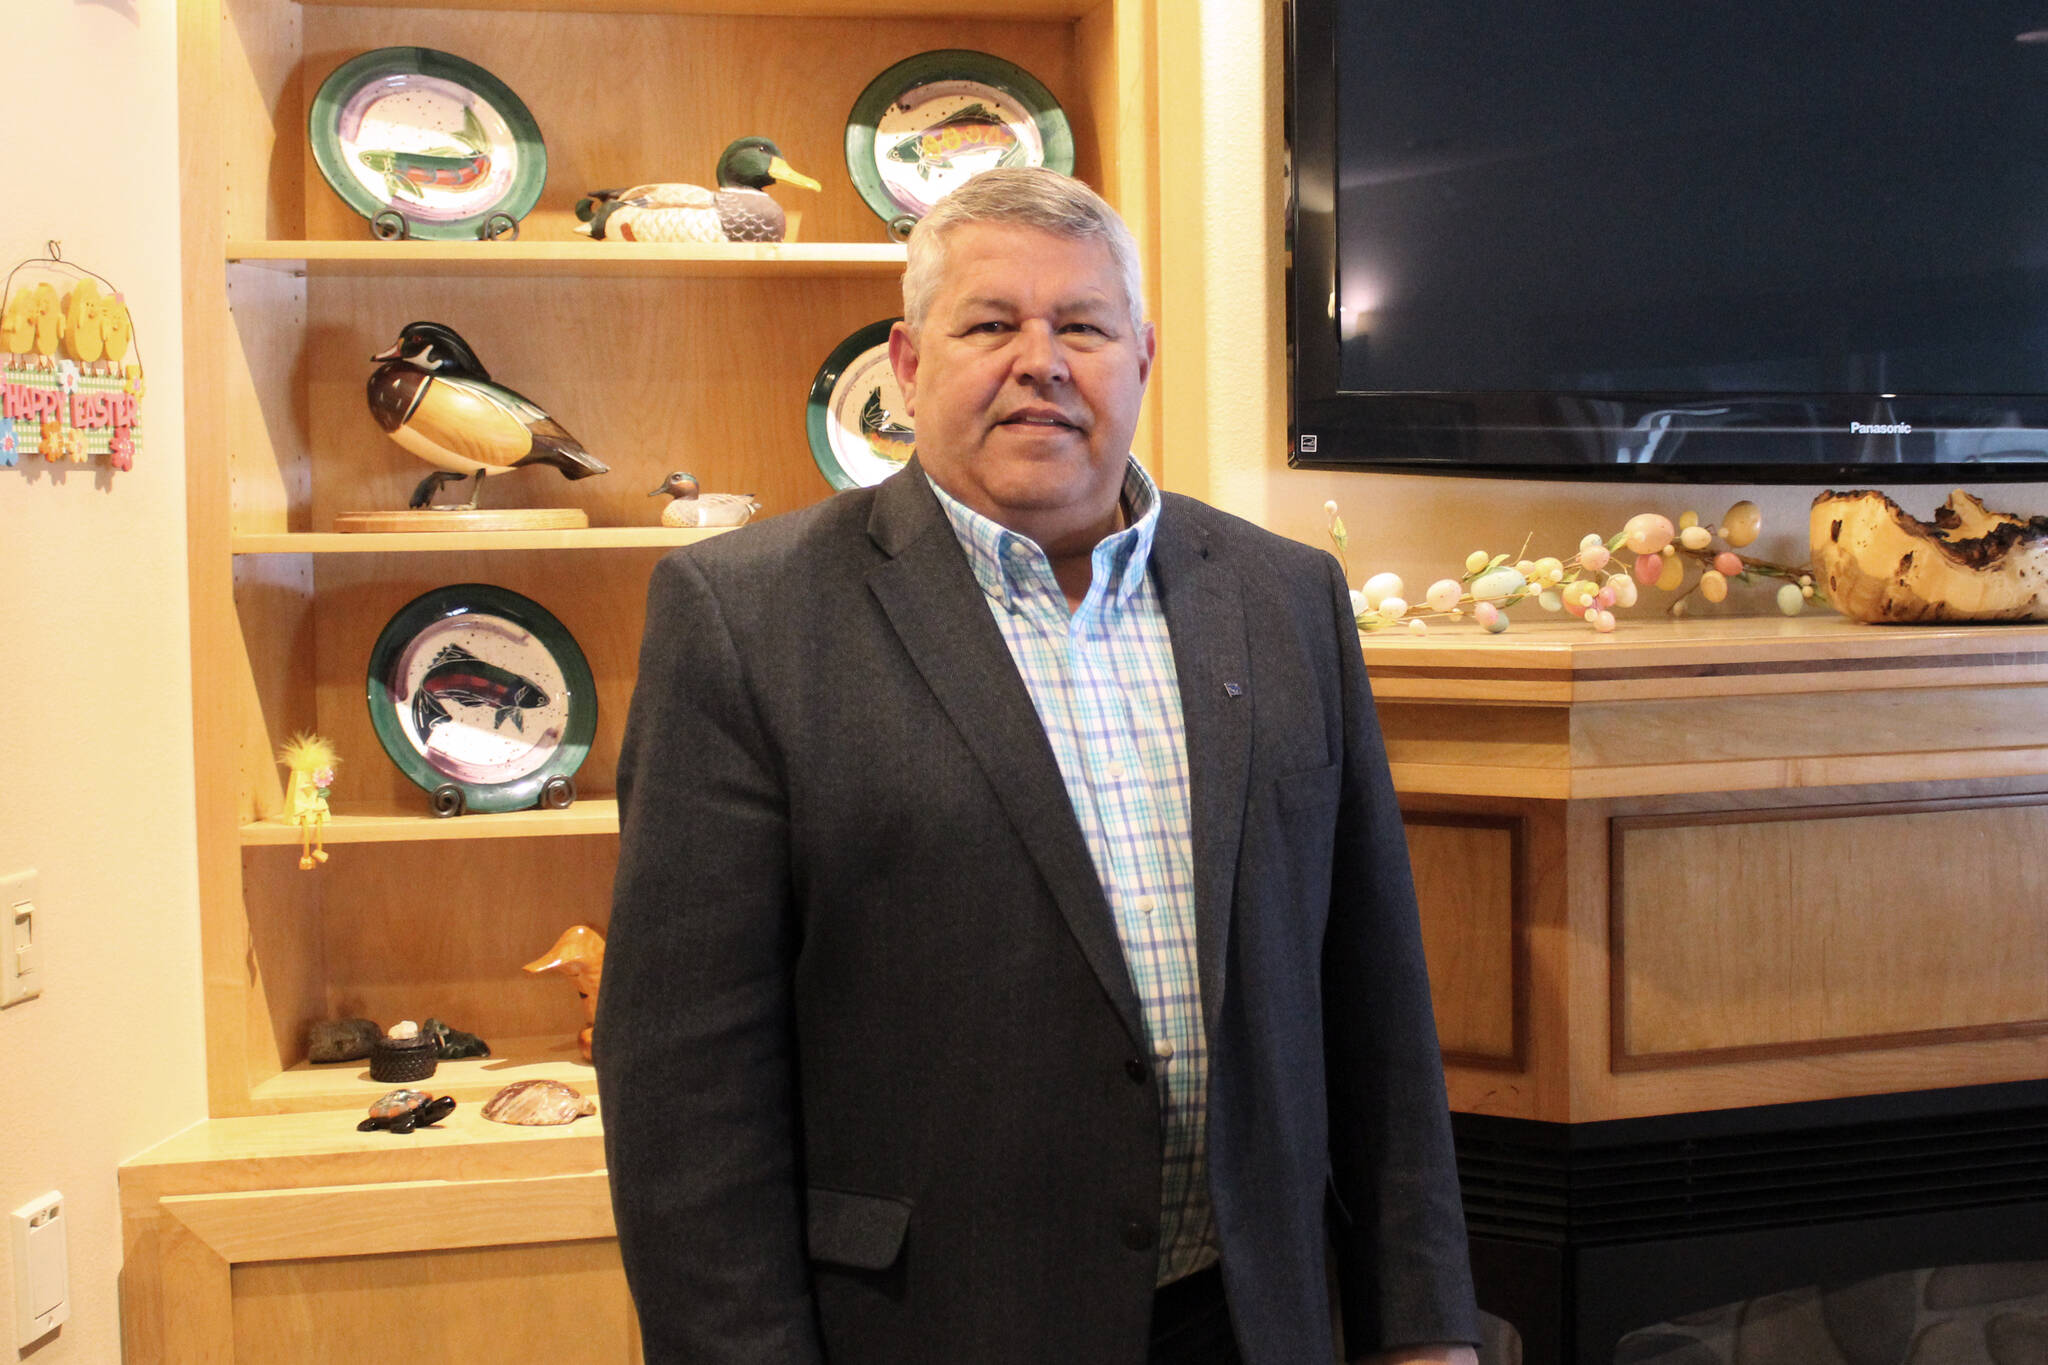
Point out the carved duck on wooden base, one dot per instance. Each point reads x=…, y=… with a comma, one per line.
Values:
x=739, y=210
x=688, y=507
x=433, y=396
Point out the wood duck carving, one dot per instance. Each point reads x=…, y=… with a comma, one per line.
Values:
x=739, y=210
x=433, y=396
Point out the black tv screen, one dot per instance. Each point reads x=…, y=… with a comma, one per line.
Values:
x=1759, y=240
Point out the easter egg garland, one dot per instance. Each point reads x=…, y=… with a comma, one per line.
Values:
x=1590, y=584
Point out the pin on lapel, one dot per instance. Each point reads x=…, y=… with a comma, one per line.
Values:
x=1232, y=690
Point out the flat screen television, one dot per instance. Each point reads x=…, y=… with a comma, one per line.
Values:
x=1788, y=241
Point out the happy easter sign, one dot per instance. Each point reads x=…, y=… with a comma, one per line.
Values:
x=69, y=388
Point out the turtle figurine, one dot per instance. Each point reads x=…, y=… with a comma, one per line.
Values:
x=401, y=1111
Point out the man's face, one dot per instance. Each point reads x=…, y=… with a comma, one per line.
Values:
x=1025, y=379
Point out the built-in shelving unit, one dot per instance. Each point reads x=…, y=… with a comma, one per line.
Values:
x=658, y=358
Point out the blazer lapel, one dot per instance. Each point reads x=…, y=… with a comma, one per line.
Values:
x=1205, y=615
x=939, y=612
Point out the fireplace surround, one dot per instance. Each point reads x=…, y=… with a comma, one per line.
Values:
x=1735, y=937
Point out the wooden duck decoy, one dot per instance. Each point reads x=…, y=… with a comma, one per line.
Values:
x=579, y=955
x=433, y=396
x=688, y=507
x=739, y=210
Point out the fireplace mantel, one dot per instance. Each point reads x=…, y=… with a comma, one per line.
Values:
x=1714, y=863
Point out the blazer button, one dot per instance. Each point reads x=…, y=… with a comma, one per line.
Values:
x=1136, y=1069
x=1138, y=1234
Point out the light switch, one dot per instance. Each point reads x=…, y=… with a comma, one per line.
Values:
x=42, y=1271
x=21, y=964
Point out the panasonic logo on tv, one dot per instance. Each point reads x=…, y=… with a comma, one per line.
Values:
x=1880, y=428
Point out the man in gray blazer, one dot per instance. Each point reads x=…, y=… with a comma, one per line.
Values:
x=1013, y=957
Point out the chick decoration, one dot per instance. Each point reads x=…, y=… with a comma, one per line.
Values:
x=311, y=760
x=85, y=322
x=688, y=507
x=45, y=319
x=18, y=323
x=433, y=396
x=739, y=210
x=117, y=328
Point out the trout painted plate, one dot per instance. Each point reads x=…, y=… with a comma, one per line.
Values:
x=423, y=133
x=481, y=690
x=859, y=433
x=933, y=121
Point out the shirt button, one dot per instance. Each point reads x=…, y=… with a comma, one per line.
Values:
x=1165, y=1053
x=1146, y=905
x=1136, y=1069
x=1137, y=1234
x=1116, y=772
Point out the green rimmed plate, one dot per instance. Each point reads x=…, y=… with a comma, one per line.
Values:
x=933, y=121
x=423, y=133
x=859, y=433
x=482, y=697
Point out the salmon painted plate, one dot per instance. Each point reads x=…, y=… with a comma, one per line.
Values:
x=858, y=430
x=482, y=698
x=934, y=121
x=425, y=144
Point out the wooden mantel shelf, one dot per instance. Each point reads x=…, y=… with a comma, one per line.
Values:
x=1552, y=710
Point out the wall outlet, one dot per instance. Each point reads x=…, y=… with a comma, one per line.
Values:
x=42, y=1269
x=21, y=956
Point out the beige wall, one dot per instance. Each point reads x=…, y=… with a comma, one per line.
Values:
x=95, y=751
x=1222, y=371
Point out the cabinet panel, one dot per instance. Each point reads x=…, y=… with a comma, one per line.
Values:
x=562, y=1301
x=1813, y=930
x=1468, y=889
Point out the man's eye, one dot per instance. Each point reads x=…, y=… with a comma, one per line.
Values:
x=1084, y=328
x=990, y=326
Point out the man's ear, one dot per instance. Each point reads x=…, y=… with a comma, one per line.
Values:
x=903, y=360
x=1148, y=350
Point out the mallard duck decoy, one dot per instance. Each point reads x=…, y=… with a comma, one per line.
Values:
x=691, y=508
x=737, y=211
x=434, y=397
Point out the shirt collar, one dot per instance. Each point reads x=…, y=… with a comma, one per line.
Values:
x=1120, y=559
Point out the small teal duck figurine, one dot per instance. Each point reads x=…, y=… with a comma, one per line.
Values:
x=688, y=507
x=434, y=397
x=739, y=210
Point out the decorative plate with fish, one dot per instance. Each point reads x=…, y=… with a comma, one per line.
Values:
x=423, y=133
x=859, y=432
x=935, y=120
x=480, y=689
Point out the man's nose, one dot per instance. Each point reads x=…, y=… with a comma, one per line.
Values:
x=1040, y=357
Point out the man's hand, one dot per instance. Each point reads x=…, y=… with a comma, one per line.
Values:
x=1422, y=1355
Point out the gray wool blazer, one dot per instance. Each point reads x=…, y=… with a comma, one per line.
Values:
x=875, y=1080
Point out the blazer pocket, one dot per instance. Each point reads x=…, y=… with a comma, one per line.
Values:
x=864, y=1231
x=1310, y=788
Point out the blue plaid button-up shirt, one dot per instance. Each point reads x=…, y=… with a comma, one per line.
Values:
x=1103, y=682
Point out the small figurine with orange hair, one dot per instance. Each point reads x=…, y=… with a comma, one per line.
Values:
x=311, y=760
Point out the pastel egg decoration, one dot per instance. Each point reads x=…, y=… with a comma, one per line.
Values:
x=1594, y=583
x=1741, y=524
x=1498, y=584
x=1646, y=533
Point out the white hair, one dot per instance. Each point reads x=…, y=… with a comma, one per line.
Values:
x=1029, y=196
